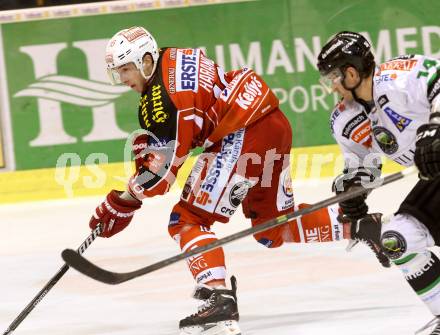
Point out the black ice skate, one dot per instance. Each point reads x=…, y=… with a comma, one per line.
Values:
x=367, y=230
x=218, y=315
x=432, y=328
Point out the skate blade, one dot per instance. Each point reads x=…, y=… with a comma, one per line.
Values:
x=229, y=327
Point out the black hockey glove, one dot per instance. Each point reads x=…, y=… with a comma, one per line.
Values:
x=368, y=231
x=354, y=208
x=427, y=155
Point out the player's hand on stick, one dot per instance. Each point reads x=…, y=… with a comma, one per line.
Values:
x=115, y=213
x=427, y=155
x=354, y=208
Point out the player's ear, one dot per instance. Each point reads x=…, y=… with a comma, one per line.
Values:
x=147, y=64
x=351, y=73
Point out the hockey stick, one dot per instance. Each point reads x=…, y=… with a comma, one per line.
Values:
x=51, y=283
x=89, y=269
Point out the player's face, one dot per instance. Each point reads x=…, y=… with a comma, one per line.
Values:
x=346, y=94
x=332, y=82
x=131, y=76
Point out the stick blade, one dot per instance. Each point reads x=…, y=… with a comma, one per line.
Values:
x=81, y=264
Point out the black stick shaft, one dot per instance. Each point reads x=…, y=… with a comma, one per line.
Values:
x=91, y=270
x=269, y=224
x=51, y=283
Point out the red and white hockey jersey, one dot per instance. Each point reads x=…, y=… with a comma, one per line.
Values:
x=191, y=102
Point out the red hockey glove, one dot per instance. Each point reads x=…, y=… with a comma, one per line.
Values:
x=114, y=213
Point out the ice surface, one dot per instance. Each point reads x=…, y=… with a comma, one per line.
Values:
x=296, y=289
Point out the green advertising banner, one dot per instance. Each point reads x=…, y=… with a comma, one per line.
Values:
x=61, y=102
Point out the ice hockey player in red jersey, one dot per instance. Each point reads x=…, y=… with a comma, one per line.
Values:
x=187, y=101
x=391, y=109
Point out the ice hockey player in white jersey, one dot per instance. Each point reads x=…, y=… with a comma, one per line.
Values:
x=391, y=109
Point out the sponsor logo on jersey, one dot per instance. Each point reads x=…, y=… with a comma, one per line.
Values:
x=318, y=234
x=174, y=219
x=386, y=140
x=252, y=90
x=203, y=198
x=385, y=77
x=337, y=233
x=187, y=67
x=188, y=187
x=434, y=87
x=287, y=185
x=361, y=133
x=383, y=100
x=226, y=93
x=173, y=52
x=152, y=108
x=207, y=73
x=233, y=195
x=339, y=108
x=143, y=104
x=399, y=121
x=172, y=80
x=425, y=268
x=285, y=197
x=399, y=65
x=239, y=192
x=204, y=277
x=219, y=171
x=353, y=124
x=197, y=264
x=159, y=113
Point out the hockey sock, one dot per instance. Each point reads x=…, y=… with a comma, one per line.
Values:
x=422, y=272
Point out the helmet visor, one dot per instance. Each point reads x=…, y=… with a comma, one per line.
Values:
x=114, y=76
x=330, y=79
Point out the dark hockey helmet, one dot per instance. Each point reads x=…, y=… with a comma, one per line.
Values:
x=346, y=49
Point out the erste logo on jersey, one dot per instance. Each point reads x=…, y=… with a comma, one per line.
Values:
x=187, y=67
x=384, y=77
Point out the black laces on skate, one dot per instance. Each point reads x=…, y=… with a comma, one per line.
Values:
x=207, y=304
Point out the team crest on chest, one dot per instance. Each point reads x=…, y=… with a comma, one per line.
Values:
x=386, y=140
